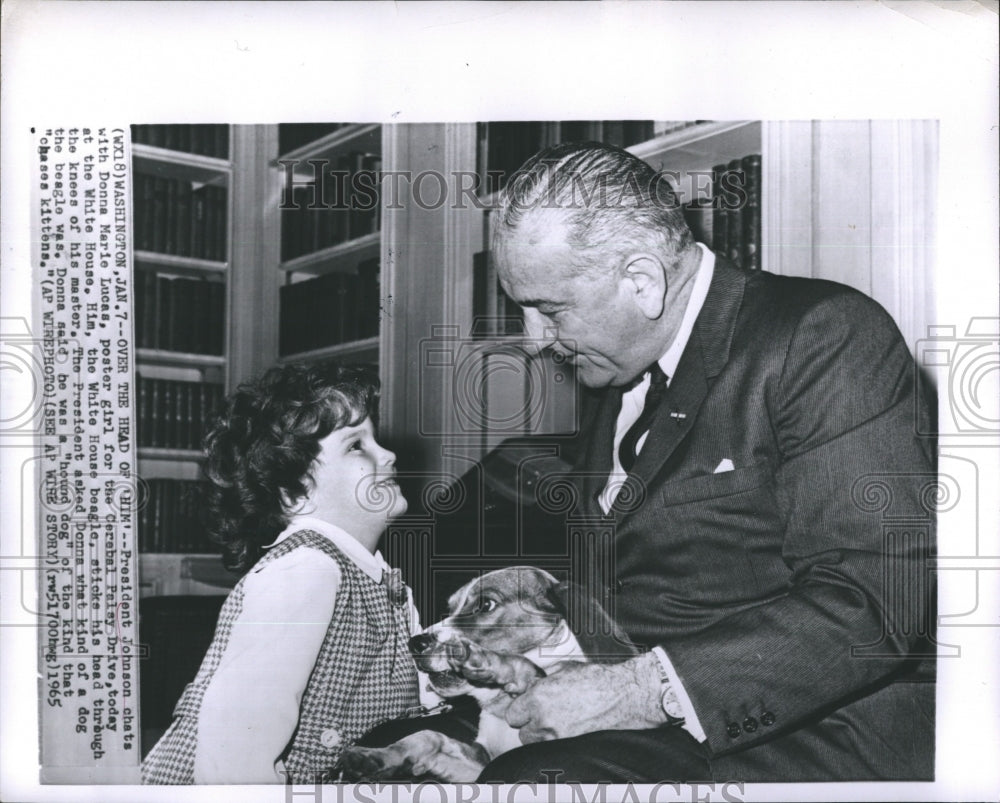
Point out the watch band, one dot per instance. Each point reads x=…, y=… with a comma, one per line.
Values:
x=669, y=702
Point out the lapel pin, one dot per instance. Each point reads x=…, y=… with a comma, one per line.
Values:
x=678, y=416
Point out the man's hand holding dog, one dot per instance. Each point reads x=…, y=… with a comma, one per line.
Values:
x=582, y=698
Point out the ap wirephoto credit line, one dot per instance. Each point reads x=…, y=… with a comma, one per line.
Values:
x=86, y=468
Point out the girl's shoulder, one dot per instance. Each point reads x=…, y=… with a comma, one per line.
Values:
x=294, y=584
x=302, y=551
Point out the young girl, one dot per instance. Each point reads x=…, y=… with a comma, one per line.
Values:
x=310, y=651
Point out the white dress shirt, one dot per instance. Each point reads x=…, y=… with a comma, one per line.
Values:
x=632, y=404
x=251, y=706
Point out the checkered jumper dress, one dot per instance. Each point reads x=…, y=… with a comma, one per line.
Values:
x=363, y=675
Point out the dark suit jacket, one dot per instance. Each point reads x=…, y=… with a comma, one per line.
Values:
x=792, y=592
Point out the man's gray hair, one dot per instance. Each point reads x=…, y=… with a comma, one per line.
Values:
x=610, y=200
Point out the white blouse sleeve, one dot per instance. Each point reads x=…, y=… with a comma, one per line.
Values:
x=251, y=706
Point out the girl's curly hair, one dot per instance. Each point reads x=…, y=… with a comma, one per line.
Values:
x=262, y=446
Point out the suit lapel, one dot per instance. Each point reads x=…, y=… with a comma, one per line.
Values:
x=705, y=354
x=676, y=415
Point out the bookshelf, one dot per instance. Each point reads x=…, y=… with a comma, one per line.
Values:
x=328, y=177
x=183, y=177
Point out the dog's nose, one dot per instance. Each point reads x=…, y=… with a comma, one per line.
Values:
x=422, y=643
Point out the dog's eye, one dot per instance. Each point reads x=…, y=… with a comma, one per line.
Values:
x=485, y=605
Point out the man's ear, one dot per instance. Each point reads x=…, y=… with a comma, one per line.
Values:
x=646, y=281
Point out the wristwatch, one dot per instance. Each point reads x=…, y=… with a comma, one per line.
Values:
x=669, y=702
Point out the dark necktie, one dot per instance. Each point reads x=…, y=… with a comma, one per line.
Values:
x=627, y=453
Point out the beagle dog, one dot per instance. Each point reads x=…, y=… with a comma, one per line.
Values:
x=504, y=630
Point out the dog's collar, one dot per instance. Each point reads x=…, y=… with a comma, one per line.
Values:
x=560, y=646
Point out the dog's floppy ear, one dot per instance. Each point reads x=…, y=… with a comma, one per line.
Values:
x=601, y=640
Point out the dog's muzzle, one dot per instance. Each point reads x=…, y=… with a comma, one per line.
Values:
x=422, y=643
x=435, y=652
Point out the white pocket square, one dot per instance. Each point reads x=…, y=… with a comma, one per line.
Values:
x=725, y=465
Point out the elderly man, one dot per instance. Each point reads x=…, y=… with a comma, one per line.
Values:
x=749, y=416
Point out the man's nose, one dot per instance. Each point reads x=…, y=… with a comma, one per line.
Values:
x=539, y=331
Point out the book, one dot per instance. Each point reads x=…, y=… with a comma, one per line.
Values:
x=143, y=213
x=216, y=235
x=158, y=217
x=613, y=133
x=164, y=311
x=751, y=166
x=145, y=411
x=182, y=424
x=182, y=220
x=636, y=131
x=720, y=225
x=173, y=414
x=159, y=520
x=194, y=419
x=215, y=317
x=169, y=136
x=735, y=185
x=156, y=433
x=145, y=297
x=220, y=146
x=169, y=392
x=171, y=222
x=172, y=516
x=199, y=200
x=185, y=293
x=736, y=218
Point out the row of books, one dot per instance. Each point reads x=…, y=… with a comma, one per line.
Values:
x=621, y=133
x=292, y=136
x=206, y=140
x=172, y=217
x=342, y=204
x=171, y=519
x=330, y=309
x=180, y=314
x=504, y=147
x=174, y=414
x=730, y=221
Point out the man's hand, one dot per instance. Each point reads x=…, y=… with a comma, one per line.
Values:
x=582, y=698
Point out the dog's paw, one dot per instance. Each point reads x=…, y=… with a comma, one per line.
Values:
x=367, y=764
x=483, y=667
